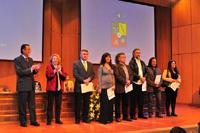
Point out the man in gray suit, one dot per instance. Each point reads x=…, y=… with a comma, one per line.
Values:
x=83, y=73
x=25, y=85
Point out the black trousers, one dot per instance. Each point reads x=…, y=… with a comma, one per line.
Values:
x=24, y=98
x=136, y=98
x=124, y=98
x=106, y=107
x=57, y=98
x=82, y=100
x=171, y=96
x=157, y=94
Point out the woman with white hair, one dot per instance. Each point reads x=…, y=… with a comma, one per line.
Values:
x=56, y=76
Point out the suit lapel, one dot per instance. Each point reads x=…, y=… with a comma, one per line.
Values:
x=88, y=66
x=26, y=64
x=122, y=70
x=82, y=67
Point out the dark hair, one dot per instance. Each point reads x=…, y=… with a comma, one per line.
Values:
x=169, y=67
x=177, y=130
x=150, y=62
x=117, y=57
x=135, y=50
x=84, y=50
x=103, y=59
x=23, y=46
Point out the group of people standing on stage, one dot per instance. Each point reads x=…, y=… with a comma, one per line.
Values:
x=116, y=77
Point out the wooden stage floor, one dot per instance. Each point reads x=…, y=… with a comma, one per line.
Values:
x=188, y=116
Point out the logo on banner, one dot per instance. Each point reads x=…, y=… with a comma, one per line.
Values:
x=119, y=32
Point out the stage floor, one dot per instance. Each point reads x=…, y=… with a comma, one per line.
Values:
x=188, y=116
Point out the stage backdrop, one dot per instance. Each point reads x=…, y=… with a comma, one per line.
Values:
x=21, y=22
x=117, y=26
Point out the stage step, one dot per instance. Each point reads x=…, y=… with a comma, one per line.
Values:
x=9, y=109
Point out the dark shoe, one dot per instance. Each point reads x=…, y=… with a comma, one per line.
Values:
x=118, y=120
x=110, y=121
x=159, y=116
x=48, y=123
x=35, y=124
x=59, y=122
x=168, y=114
x=133, y=118
x=150, y=115
x=77, y=121
x=143, y=117
x=127, y=119
x=174, y=114
x=103, y=122
x=23, y=125
x=86, y=121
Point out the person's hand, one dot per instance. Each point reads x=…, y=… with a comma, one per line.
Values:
x=99, y=91
x=174, y=80
x=86, y=81
x=67, y=78
x=128, y=82
x=59, y=68
x=179, y=80
x=36, y=67
x=142, y=79
x=157, y=85
x=113, y=87
x=55, y=71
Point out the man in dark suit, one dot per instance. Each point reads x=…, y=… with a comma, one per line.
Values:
x=139, y=72
x=83, y=73
x=25, y=85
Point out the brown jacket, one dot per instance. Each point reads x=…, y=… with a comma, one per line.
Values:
x=120, y=78
x=151, y=86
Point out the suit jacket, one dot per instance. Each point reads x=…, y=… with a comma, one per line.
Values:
x=134, y=68
x=151, y=86
x=81, y=74
x=52, y=78
x=25, y=78
x=120, y=78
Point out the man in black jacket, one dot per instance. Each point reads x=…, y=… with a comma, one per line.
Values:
x=83, y=73
x=25, y=71
x=139, y=72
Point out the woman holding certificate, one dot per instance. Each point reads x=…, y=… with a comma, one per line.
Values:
x=171, y=78
x=123, y=78
x=56, y=76
x=106, y=82
x=153, y=86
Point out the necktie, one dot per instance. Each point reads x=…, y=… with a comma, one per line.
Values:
x=85, y=65
x=27, y=60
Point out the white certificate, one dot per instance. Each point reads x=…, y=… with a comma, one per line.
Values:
x=128, y=88
x=87, y=88
x=110, y=93
x=144, y=86
x=157, y=79
x=174, y=85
